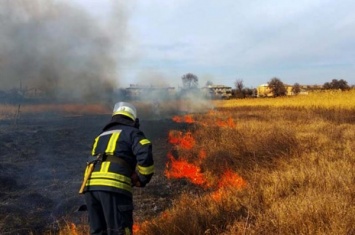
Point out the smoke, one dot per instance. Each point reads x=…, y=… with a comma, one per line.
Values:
x=67, y=54
x=60, y=49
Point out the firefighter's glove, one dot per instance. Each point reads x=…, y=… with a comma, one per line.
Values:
x=135, y=180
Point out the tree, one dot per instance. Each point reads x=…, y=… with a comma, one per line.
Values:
x=327, y=86
x=296, y=89
x=343, y=85
x=277, y=87
x=249, y=92
x=337, y=84
x=189, y=81
x=239, y=88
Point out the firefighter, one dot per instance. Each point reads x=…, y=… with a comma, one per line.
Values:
x=121, y=159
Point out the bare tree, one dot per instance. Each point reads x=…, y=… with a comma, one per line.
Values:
x=239, y=85
x=189, y=81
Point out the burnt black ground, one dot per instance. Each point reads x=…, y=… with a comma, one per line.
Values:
x=42, y=159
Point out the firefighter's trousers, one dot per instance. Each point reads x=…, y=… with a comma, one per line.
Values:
x=109, y=213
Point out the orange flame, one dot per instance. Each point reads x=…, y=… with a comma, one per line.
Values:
x=73, y=229
x=217, y=195
x=189, y=119
x=136, y=228
x=186, y=119
x=177, y=119
x=229, y=179
x=182, y=169
x=221, y=123
x=185, y=141
x=174, y=137
x=229, y=123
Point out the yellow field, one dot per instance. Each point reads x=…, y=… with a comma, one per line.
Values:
x=326, y=99
x=294, y=158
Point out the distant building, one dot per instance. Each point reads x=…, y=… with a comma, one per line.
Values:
x=217, y=91
x=263, y=90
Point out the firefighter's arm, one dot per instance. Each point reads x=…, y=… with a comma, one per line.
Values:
x=145, y=164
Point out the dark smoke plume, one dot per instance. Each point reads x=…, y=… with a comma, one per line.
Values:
x=59, y=49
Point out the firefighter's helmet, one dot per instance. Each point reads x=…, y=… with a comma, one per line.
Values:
x=125, y=109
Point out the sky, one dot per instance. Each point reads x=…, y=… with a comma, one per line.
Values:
x=306, y=41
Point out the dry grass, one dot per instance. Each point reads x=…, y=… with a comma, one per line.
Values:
x=297, y=156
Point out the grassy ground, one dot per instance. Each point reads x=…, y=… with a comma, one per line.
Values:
x=266, y=166
x=294, y=158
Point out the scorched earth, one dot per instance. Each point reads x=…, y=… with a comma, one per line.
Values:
x=42, y=159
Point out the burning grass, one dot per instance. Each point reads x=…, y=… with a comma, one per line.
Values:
x=266, y=170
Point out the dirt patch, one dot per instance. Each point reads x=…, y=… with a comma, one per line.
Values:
x=41, y=168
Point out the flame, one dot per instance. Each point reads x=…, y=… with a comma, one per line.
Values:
x=185, y=141
x=186, y=119
x=221, y=123
x=136, y=228
x=189, y=119
x=217, y=195
x=177, y=119
x=178, y=169
x=174, y=137
x=229, y=123
x=73, y=229
x=229, y=179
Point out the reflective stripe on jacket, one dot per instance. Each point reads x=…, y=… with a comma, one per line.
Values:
x=129, y=144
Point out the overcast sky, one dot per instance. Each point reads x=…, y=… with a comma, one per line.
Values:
x=304, y=41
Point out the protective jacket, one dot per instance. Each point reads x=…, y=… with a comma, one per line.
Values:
x=125, y=151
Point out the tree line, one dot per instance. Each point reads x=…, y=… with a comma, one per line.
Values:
x=278, y=88
x=275, y=85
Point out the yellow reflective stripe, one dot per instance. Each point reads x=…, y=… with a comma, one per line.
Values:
x=94, y=146
x=146, y=170
x=144, y=141
x=104, y=166
x=110, y=183
x=127, y=231
x=111, y=146
x=111, y=175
